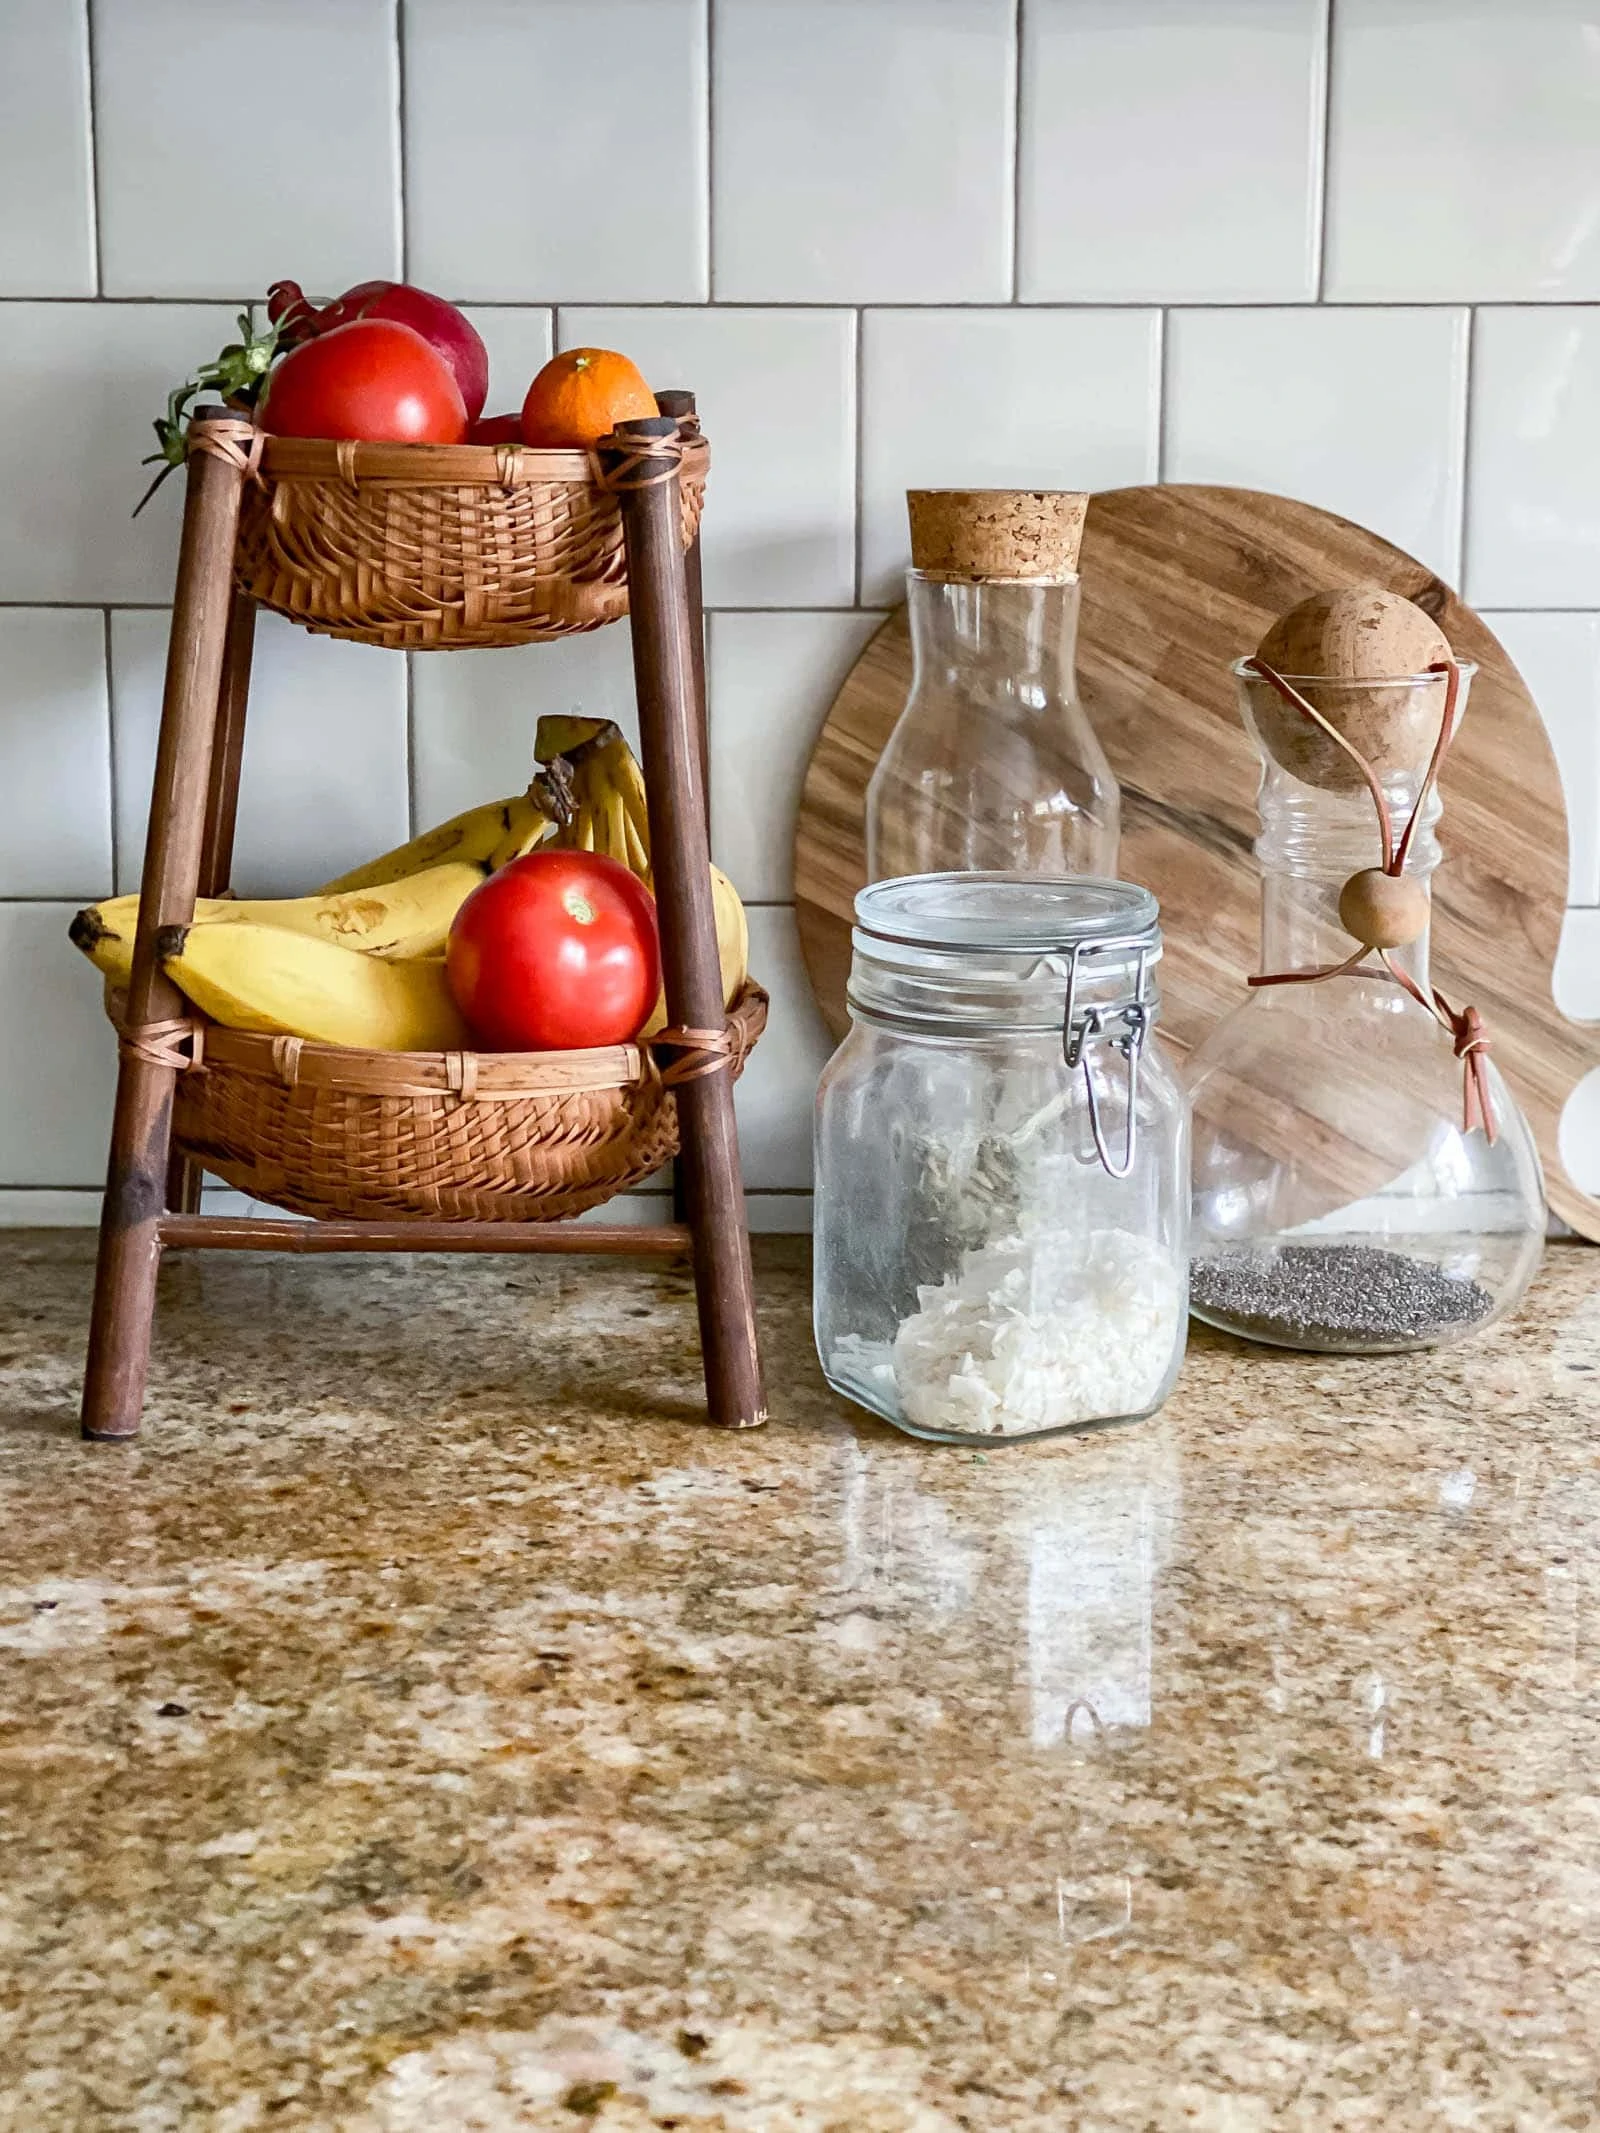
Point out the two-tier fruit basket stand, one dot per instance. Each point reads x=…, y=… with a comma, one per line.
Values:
x=426, y=547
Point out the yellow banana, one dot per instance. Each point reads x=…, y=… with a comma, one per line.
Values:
x=497, y=831
x=733, y=949
x=595, y=780
x=561, y=735
x=253, y=977
x=399, y=920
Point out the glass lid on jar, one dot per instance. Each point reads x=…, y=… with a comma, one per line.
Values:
x=1003, y=912
x=984, y=953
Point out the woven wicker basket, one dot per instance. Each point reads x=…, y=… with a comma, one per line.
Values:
x=490, y=1137
x=422, y=546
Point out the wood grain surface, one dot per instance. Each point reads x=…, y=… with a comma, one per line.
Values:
x=1178, y=582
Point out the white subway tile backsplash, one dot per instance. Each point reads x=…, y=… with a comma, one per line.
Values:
x=79, y=387
x=776, y=394
x=1359, y=411
x=1577, y=994
x=1577, y=975
x=474, y=713
x=863, y=153
x=558, y=150
x=770, y=681
x=520, y=342
x=1170, y=154
x=778, y=1087
x=324, y=783
x=1462, y=156
x=58, y=1057
x=992, y=399
x=780, y=204
x=1558, y=657
x=1580, y=1134
x=47, y=229
x=55, y=754
x=241, y=144
x=1533, y=533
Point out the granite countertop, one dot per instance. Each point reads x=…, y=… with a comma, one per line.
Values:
x=432, y=1726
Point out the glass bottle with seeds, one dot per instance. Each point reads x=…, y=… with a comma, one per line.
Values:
x=1363, y=1178
x=1002, y=1181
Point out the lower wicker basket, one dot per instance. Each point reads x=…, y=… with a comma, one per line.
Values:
x=484, y=1137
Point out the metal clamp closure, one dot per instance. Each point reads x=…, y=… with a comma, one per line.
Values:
x=1124, y=1025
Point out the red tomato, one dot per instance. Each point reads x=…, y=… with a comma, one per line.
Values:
x=557, y=950
x=496, y=429
x=374, y=380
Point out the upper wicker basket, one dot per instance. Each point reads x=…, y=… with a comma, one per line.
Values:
x=424, y=546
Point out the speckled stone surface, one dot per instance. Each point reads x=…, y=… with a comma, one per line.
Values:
x=431, y=1727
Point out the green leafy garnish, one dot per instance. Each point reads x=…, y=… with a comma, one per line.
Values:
x=238, y=372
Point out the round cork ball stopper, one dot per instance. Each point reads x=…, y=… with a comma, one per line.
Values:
x=974, y=534
x=1383, y=910
x=1355, y=655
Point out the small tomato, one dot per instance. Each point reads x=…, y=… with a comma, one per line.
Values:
x=556, y=951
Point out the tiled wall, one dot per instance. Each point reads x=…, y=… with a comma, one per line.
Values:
x=1083, y=242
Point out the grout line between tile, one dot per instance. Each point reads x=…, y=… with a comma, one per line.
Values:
x=986, y=303
x=402, y=159
x=799, y=607
x=1017, y=92
x=111, y=750
x=859, y=454
x=1163, y=389
x=411, y=745
x=1324, y=150
x=1464, y=518
x=94, y=150
x=752, y=903
x=710, y=225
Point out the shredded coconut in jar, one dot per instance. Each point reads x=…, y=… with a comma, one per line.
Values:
x=1039, y=1332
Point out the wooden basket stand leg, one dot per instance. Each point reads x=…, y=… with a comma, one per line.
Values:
x=141, y=1131
x=640, y=461
x=681, y=407
x=222, y=815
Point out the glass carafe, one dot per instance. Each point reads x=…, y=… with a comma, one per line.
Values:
x=1348, y=1195
x=993, y=766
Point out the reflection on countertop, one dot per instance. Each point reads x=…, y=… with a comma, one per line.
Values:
x=429, y=1726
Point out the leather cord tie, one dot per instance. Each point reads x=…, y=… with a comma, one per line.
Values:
x=700, y=1052
x=236, y=442
x=1463, y=1025
x=179, y=1044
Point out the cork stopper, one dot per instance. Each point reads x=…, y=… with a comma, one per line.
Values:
x=977, y=534
x=1351, y=654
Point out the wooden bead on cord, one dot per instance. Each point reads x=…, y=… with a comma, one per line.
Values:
x=1383, y=910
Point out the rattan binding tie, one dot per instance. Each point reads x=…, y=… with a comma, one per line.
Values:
x=178, y=1043
x=511, y=465
x=237, y=443
x=461, y=1071
x=700, y=1052
x=286, y=1059
x=659, y=454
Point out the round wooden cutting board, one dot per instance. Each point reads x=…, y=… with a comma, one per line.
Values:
x=1177, y=583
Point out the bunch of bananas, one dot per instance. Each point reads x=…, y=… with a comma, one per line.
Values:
x=361, y=961
x=595, y=788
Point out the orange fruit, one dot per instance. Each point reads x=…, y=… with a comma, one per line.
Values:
x=580, y=397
